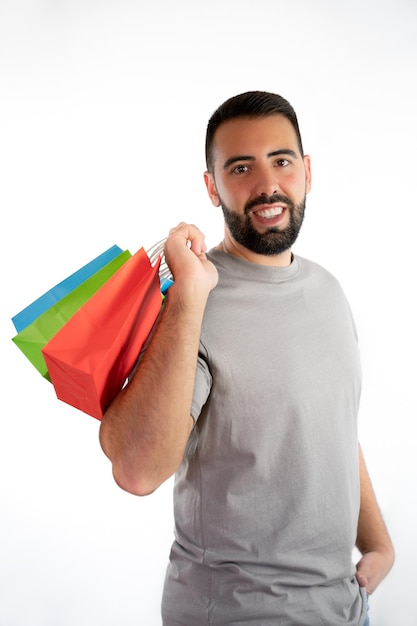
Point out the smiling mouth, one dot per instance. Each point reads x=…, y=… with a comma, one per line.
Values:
x=270, y=212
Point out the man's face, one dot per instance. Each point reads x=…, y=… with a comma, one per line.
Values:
x=260, y=180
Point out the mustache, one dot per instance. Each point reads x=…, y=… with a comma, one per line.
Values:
x=264, y=199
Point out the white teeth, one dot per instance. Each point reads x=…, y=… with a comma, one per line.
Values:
x=273, y=212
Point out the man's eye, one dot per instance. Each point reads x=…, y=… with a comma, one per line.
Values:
x=282, y=162
x=240, y=169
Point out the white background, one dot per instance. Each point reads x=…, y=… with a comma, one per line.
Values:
x=103, y=112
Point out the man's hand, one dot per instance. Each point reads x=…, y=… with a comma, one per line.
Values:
x=185, y=255
x=373, y=567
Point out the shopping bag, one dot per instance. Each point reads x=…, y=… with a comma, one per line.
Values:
x=62, y=289
x=90, y=358
x=33, y=337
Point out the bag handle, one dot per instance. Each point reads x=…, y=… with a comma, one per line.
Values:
x=154, y=253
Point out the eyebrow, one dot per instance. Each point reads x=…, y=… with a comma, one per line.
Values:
x=243, y=157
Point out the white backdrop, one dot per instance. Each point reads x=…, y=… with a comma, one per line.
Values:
x=103, y=112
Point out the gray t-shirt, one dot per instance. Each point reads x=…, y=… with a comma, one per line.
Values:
x=266, y=500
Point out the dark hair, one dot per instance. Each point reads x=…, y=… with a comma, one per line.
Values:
x=249, y=104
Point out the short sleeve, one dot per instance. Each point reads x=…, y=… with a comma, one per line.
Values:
x=202, y=387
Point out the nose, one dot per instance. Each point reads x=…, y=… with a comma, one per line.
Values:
x=267, y=182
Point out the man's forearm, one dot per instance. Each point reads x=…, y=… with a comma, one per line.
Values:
x=372, y=532
x=145, y=430
x=373, y=540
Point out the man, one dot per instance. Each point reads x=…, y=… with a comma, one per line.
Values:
x=258, y=355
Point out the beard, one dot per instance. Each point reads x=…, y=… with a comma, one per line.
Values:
x=274, y=240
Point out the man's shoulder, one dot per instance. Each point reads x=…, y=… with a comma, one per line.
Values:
x=308, y=266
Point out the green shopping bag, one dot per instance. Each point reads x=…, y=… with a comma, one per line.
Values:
x=62, y=289
x=33, y=337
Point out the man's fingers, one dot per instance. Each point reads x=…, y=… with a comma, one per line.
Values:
x=362, y=580
x=191, y=235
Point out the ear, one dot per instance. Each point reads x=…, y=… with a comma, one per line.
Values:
x=307, y=167
x=211, y=188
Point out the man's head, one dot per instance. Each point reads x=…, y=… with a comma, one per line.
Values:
x=252, y=104
x=257, y=172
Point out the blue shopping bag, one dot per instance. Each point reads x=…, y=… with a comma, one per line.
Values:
x=30, y=313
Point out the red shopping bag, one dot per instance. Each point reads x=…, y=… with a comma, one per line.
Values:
x=90, y=358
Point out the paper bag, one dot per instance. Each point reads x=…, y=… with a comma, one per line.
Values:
x=90, y=358
x=62, y=289
x=33, y=337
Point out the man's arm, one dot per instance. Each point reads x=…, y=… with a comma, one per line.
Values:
x=145, y=430
x=373, y=540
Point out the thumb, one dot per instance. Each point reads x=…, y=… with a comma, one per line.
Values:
x=362, y=579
